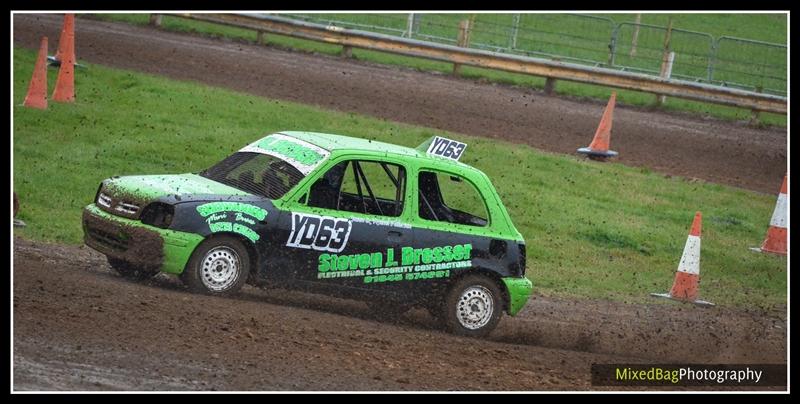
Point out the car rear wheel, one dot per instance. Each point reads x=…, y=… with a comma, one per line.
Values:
x=473, y=306
x=130, y=271
x=219, y=266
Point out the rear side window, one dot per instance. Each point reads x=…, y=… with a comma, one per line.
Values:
x=449, y=198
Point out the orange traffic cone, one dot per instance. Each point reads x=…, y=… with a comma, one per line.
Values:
x=775, y=242
x=65, y=41
x=37, y=89
x=65, y=82
x=686, y=286
x=598, y=149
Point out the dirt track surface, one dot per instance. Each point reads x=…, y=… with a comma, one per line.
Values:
x=79, y=326
x=713, y=150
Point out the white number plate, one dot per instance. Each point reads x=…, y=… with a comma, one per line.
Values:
x=446, y=148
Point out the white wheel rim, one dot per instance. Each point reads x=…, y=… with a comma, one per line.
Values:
x=475, y=307
x=220, y=268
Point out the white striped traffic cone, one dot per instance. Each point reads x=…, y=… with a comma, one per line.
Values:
x=775, y=242
x=687, y=279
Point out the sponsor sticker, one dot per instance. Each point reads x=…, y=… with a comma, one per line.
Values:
x=405, y=264
x=376, y=222
x=234, y=217
x=321, y=233
x=303, y=156
x=447, y=148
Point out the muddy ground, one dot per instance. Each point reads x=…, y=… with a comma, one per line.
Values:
x=80, y=326
x=718, y=151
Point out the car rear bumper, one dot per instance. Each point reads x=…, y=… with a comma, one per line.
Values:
x=139, y=244
x=519, y=290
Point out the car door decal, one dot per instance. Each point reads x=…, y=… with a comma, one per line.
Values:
x=321, y=233
x=407, y=264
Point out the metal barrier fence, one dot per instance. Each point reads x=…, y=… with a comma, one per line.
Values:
x=742, y=62
x=543, y=35
x=460, y=55
x=641, y=47
x=592, y=40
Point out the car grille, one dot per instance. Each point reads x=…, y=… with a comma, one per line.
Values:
x=122, y=241
x=107, y=239
x=118, y=206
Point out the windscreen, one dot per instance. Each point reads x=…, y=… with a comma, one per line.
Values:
x=256, y=173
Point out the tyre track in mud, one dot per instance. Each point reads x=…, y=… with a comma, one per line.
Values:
x=675, y=144
x=77, y=325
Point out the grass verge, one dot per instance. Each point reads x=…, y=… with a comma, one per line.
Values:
x=592, y=230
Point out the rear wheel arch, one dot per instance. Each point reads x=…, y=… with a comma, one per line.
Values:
x=474, y=304
x=488, y=273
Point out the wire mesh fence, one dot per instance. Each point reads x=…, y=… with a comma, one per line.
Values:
x=390, y=24
x=746, y=63
x=643, y=48
x=591, y=40
x=578, y=38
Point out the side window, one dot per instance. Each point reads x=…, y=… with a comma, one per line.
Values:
x=324, y=192
x=450, y=198
x=371, y=187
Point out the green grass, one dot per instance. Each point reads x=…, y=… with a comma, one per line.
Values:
x=587, y=37
x=596, y=230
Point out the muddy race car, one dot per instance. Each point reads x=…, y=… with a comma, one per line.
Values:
x=348, y=217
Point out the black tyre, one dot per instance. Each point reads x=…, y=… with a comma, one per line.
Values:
x=219, y=266
x=473, y=306
x=130, y=271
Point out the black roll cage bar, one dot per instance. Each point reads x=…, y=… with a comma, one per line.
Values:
x=361, y=178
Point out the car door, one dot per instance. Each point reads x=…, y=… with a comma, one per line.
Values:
x=451, y=222
x=347, y=228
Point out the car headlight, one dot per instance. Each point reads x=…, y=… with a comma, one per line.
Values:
x=158, y=214
x=97, y=194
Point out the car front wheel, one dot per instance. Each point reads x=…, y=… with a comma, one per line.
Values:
x=473, y=306
x=219, y=266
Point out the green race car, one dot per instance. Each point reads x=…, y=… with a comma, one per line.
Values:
x=349, y=217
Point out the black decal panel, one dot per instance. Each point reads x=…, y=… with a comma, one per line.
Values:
x=321, y=233
x=378, y=258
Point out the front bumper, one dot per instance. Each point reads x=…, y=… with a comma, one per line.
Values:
x=519, y=290
x=144, y=246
